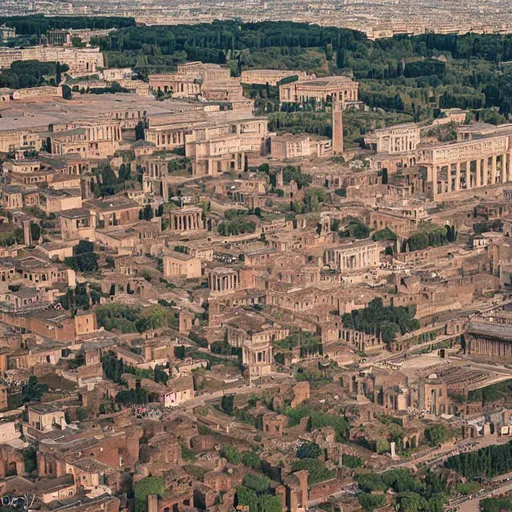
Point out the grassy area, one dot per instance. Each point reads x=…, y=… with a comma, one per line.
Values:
x=212, y=359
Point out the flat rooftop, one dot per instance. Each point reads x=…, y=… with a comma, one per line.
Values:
x=38, y=116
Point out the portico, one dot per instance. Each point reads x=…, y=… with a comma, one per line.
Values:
x=353, y=256
x=258, y=358
x=467, y=165
x=221, y=280
x=186, y=219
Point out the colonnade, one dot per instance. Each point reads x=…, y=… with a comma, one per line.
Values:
x=353, y=258
x=489, y=347
x=360, y=340
x=223, y=281
x=104, y=132
x=169, y=138
x=186, y=220
x=470, y=174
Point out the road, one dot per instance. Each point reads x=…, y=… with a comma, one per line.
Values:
x=473, y=505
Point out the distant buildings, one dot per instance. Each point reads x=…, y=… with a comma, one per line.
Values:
x=193, y=79
x=271, y=76
x=79, y=60
x=7, y=33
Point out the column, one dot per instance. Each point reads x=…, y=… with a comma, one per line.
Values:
x=478, y=173
x=468, y=175
x=485, y=162
x=434, y=181
x=493, y=170
x=457, y=176
x=504, y=168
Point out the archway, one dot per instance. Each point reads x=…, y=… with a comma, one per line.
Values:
x=354, y=384
x=11, y=469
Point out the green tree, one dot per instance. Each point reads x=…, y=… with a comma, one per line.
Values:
x=179, y=351
x=309, y=450
x=231, y=454
x=58, y=76
x=33, y=391
x=371, y=482
x=67, y=94
x=35, y=231
x=259, y=484
x=318, y=471
x=251, y=460
x=160, y=375
x=146, y=487
x=411, y=502
x=247, y=497
x=30, y=459
x=382, y=446
x=495, y=504
x=351, y=461
x=437, y=434
x=370, y=502
x=139, y=131
x=389, y=330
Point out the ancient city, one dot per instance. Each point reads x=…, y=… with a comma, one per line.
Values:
x=260, y=266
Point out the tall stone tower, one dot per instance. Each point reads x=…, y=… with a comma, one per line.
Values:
x=337, y=128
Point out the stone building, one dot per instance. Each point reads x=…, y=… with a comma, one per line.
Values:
x=296, y=496
x=351, y=256
x=247, y=327
x=186, y=220
x=226, y=145
x=271, y=76
x=289, y=147
x=490, y=336
x=79, y=60
x=45, y=417
x=177, y=264
x=478, y=159
x=433, y=395
x=331, y=88
x=396, y=139
x=401, y=220
x=223, y=280
x=77, y=224
x=168, y=132
x=89, y=139
x=258, y=357
x=7, y=33
x=194, y=79
x=113, y=211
